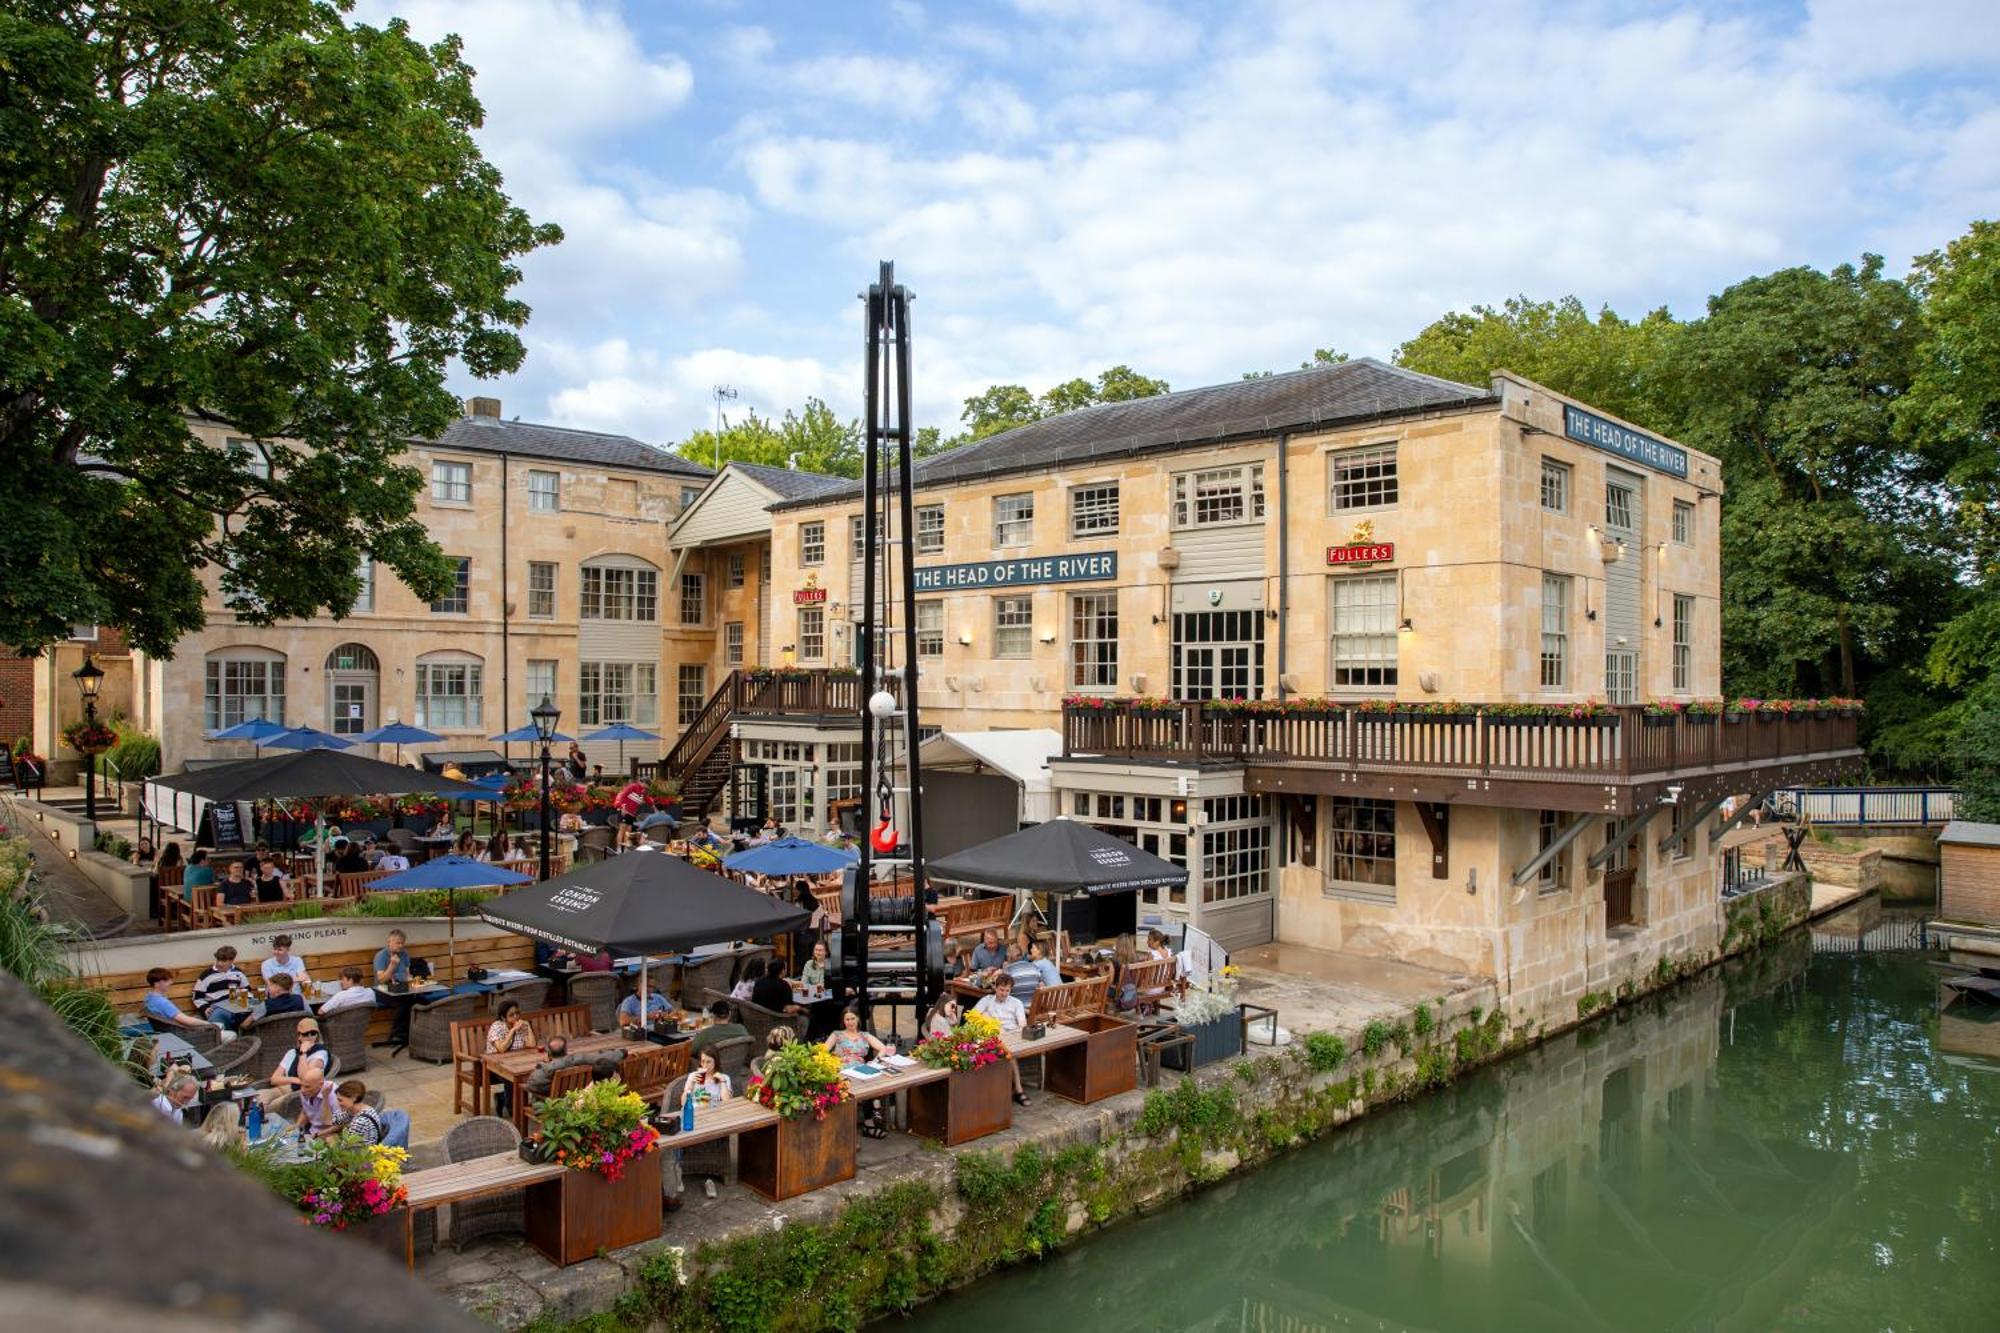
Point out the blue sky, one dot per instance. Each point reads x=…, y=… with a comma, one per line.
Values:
x=1192, y=189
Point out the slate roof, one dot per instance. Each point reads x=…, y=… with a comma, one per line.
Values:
x=1969, y=834
x=791, y=484
x=524, y=438
x=1317, y=397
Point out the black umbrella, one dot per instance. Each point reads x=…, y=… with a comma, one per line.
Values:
x=1060, y=857
x=641, y=903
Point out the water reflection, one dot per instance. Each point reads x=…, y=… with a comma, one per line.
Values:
x=1774, y=1146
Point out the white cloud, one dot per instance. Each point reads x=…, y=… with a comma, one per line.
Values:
x=613, y=386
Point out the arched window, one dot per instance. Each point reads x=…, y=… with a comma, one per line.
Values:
x=451, y=690
x=240, y=684
x=353, y=681
x=620, y=587
x=353, y=657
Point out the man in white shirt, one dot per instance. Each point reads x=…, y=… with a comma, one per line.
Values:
x=392, y=860
x=352, y=992
x=175, y=1098
x=1003, y=1008
x=282, y=959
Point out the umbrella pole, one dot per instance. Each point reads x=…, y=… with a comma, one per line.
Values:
x=451, y=934
x=1059, y=903
x=645, y=975
x=319, y=852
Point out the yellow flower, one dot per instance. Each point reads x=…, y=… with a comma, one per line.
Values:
x=981, y=1026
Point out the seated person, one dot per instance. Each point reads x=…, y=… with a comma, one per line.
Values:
x=771, y=991
x=720, y=1030
x=347, y=859
x=307, y=1055
x=158, y=1006
x=812, y=973
x=282, y=959
x=1044, y=969
x=1027, y=980
x=507, y=1032
x=657, y=1008
x=392, y=960
x=354, y=991
x=601, y=961
x=371, y=851
x=236, y=888
x=537, y=1083
x=392, y=859
x=957, y=960
x=443, y=828
x=468, y=846
x=853, y=1045
x=1156, y=945
x=176, y=1095
x=1012, y=1016
x=945, y=1016
x=989, y=954
x=319, y=1105
x=282, y=999
x=753, y=972
x=270, y=880
x=215, y=987
x=199, y=874
x=358, y=1122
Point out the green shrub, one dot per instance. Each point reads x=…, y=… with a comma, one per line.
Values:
x=135, y=755
x=1374, y=1037
x=1424, y=1021
x=1325, y=1052
x=112, y=844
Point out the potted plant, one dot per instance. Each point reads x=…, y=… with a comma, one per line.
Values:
x=1208, y=1012
x=88, y=737
x=609, y=1197
x=976, y=1100
x=812, y=1143
x=340, y=1186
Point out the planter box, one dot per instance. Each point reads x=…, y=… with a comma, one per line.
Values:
x=795, y=1157
x=1103, y=1066
x=1219, y=1039
x=388, y=1232
x=579, y=1213
x=969, y=1105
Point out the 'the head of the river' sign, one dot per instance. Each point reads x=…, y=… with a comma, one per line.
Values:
x=1018, y=573
x=1591, y=429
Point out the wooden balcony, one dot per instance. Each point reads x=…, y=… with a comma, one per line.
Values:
x=811, y=693
x=1616, y=762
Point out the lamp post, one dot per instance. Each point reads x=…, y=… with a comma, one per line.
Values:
x=89, y=679
x=545, y=715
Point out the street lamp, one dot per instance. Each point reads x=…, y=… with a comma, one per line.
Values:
x=545, y=715
x=89, y=680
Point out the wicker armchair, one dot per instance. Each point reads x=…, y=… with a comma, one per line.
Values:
x=593, y=844
x=430, y=1026
x=279, y=1033
x=345, y=1032
x=532, y=994
x=764, y=952
x=238, y=1054
x=709, y=974
x=405, y=841
x=732, y=1057
x=703, y=1159
x=200, y=1039
x=494, y=1214
x=758, y=1021
x=599, y=990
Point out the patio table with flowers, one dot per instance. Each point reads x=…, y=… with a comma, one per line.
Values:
x=609, y=1197
x=811, y=1143
x=976, y=1098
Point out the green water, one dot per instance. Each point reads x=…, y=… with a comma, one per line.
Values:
x=1793, y=1144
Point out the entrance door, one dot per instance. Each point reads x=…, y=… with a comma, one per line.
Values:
x=352, y=674
x=1218, y=655
x=1620, y=882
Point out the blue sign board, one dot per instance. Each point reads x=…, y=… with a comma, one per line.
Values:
x=1591, y=429
x=1017, y=573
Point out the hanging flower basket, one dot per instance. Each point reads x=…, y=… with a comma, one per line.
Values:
x=89, y=738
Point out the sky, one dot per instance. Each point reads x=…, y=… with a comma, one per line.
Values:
x=1195, y=190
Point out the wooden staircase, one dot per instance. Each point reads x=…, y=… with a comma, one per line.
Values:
x=701, y=761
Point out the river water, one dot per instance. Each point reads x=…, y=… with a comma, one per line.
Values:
x=1795, y=1142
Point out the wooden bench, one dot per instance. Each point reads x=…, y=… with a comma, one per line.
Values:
x=440, y=1185
x=1053, y=1004
x=1153, y=980
x=973, y=915
x=569, y=1020
x=355, y=883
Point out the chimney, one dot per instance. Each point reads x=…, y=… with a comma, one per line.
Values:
x=483, y=407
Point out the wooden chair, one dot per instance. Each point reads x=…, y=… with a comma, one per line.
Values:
x=202, y=907
x=468, y=1069
x=1151, y=981
x=647, y=1072
x=1053, y=1004
x=562, y=1084
x=569, y=1020
x=355, y=884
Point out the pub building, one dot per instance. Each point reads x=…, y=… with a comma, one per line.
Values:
x=1446, y=605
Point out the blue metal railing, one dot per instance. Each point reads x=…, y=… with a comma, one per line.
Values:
x=1907, y=806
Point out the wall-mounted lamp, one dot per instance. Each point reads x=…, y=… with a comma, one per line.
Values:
x=1157, y=619
x=965, y=637
x=1048, y=636
x=1406, y=627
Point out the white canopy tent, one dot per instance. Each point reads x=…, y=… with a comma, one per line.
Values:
x=1020, y=755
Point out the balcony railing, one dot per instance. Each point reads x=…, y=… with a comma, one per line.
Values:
x=816, y=692
x=1618, y=745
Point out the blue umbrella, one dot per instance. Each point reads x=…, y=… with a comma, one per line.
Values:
x=256, y=730
x=622, y=732
x=449, y=873
x=789, y=856
x=528, y=735
x=309, y=738
x=397, y=734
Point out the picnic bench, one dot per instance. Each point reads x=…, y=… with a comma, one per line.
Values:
x=970, y=916
x=1058, y=1004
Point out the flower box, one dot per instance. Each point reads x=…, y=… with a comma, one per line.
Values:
x=1218, y=1039
x=1662, y=719
x=580, y=1213
x=966, y=1104
x=1103, y=1065
x=797, y=1155
x=388, y=1232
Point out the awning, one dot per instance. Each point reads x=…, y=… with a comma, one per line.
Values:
x=1021, y=755
x=1061, y=856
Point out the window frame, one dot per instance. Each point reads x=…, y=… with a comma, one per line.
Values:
x=732, y=643
x=470, y=678
x=1093, y=657
x=545, y=499
x=1553, y=877
x=812, y=633
x=364, y=574
x=1022, y=517
x=1555, y=643
x=1682, y=642
x=683, y=698
x=930, y=536
x=1088, y=515
x=1614, y=487
x=637, y=604
x=1559, y=477
x=812, y=543
x=216, y=692
x=1364, y=817
x=1369, y=486
x=738, y=569
x=857, y=537
x=602, y=681
x=461, y=593
x=1681, y=528
x=1185, y=496
x=1387, y=667
x=535, y=594
x=694, y=591
x=554, y=665
x=930, y=608
x=444, y=488
x=1007, y=608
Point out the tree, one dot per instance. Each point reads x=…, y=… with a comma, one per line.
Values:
x=1000, y=407
x=811, y=440
x=1005, y=406
x=255, y=213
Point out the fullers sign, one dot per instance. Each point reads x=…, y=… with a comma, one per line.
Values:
x=1015, y=573
x=1361, y=553
x=1591, y=429
x=808, y=596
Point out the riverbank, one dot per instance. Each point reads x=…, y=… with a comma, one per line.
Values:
x=929, y=1221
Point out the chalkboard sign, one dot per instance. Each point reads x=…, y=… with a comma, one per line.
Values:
x=226, y=822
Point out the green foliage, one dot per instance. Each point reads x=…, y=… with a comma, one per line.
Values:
x=1590, y=1002
x=33, y=949
x=1324, y=1052
x=1005, y=406
x=1977, y=751
x=1423, y=1022
x=133, y=757
x=1375, y=1037
x=256, y=213
x=1187, y=1108
x=114, y=844
x=811, y=440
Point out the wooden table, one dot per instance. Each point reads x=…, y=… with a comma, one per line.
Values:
x=1103, y=1064
x=466, y=1180
x=513, y=1067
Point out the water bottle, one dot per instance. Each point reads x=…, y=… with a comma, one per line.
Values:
x=254, y=1124
x=687, y=1113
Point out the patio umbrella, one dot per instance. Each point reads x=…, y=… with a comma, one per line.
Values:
x=309, y=738
x=397, y=734
x=449, y=873
x=527, y=735
x=622, y=732
x=641, y=903
x=310, y=774
x=256, y=730
x=789, y=856
x=1060, y=857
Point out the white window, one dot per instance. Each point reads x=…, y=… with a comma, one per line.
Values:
x=930, y=529
x=732, y=643
x=1555, y=486
x=930, y=629
x=1362, y=478
x=857, y=537
x=1361, y=849
x=1093, y=510
x=541, y=590
x=1683, y=522
x=1235, y=848
x=544, y=491
x=364, y=573
x=1218, y=496
x=736, y=569
x=694, y=599
x=250, y=458
x=1093, y=641
x=812, y=633
x=1013, y=520
x=812, y=543
x=1553, y=877
x=1683, y=643
x=1013, y=626
x=1555, y=631
x=541, y=681
x=693, y=693
x=689, y=494
x=1618, y=506
x=451, y=483
x=458, y=601
x=242, y=685
x=614, y=593
x=1362, y=647
x=609, y=692
x=80, y=633
x=450, y=694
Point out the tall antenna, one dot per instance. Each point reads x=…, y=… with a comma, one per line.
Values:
x=720, y=392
